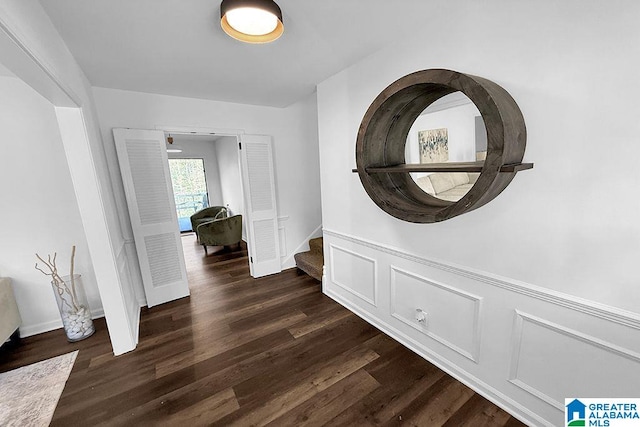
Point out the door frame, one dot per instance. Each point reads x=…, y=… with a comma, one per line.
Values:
x=207, y=131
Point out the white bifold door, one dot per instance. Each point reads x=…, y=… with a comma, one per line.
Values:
x=145, y=173
x=261, y=213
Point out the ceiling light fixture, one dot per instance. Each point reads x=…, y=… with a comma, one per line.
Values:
x=251, y=21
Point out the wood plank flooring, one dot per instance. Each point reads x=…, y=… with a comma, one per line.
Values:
x=242, y=352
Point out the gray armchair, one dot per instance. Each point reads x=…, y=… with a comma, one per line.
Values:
x=220, y=232
x=206, y=215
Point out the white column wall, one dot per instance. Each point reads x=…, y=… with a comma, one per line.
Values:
x=230, y=178
x=35, y=52
x=39, y=207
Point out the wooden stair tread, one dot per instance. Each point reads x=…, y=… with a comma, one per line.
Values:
x=311, y=263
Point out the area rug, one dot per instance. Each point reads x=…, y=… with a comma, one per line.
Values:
x=29, y=395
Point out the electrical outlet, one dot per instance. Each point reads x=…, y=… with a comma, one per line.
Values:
x=421, y=316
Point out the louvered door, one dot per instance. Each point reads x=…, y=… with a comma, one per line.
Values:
x=260, y=205
x=147, y=183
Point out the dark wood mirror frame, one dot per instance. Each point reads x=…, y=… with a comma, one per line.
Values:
x=380, y=147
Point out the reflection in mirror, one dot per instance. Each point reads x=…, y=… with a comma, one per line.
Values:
x=449, y=130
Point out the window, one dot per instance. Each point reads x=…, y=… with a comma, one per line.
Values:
x=189, y=188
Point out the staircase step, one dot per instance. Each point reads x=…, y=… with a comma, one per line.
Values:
x=311, y=263
x=315, y=245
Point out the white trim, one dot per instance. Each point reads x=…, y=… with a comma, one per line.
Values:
x=345, y=287
x=10, y=29
x=588, y=339
x=521, y=317
x=598, y=310
x=474, y=353
x=136, y=331
x=324, y=279
x=52, y=325
x=282, y=235
x=195, y=130
x=517, y=410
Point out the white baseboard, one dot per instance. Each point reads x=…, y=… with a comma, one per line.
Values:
x=51, y=325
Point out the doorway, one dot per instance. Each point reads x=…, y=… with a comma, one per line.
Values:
x=144, y=166
x=240, y=177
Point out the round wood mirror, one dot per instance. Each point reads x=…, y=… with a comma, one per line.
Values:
x=381, y=145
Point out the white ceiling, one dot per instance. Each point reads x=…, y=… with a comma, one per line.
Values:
x=177, y=47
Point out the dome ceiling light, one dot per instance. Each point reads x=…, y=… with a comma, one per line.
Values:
x=251, y=21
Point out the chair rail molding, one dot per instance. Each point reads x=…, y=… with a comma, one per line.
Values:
x=592, y=308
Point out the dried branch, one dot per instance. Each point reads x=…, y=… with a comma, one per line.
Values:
x=56, y=280
x=42, y=271
x=73, y=281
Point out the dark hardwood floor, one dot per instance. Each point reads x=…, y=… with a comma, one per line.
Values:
x=240, y=351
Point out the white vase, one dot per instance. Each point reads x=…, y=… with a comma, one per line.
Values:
x=74, y=311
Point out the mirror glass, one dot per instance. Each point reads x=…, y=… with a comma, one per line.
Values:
x=450, y=130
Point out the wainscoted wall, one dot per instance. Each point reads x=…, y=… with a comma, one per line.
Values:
x=524, y=347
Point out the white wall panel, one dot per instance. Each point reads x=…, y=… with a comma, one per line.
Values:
x=553, y=362
x=353, y=273
x=452, y=316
